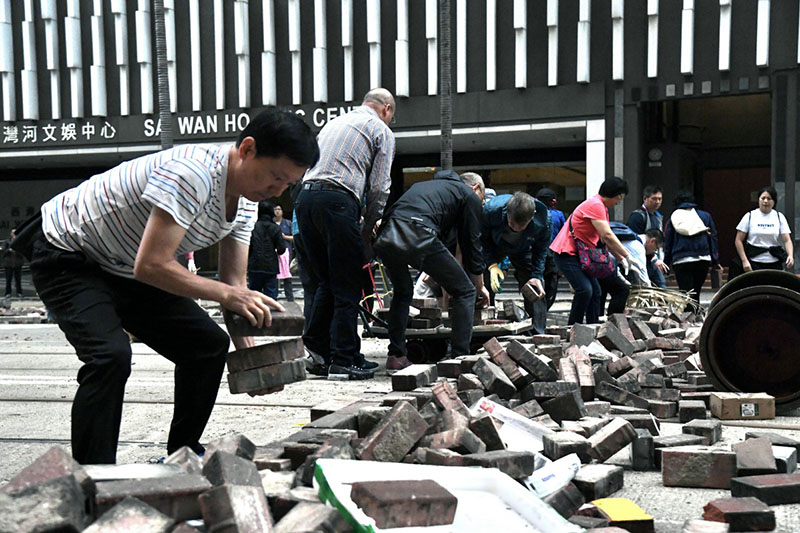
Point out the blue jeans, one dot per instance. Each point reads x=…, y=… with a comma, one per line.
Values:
x=263, y=282
x=586, y=301
x=332, y=257
x=655, y=275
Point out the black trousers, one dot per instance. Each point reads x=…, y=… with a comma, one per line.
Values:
x=690, y=277
x=522, y=273
x=332, y=256
x=439, y=263
x=619, y=291
x=92, y=307
x=14, y=272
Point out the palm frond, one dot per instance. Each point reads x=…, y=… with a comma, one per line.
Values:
x=672, y=299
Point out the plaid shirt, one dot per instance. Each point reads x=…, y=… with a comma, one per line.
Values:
x=356, y=153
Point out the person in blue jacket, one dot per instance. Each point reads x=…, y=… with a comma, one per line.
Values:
x=551, y=273
x=647, y=217
x=690, y=244
x=520, y=227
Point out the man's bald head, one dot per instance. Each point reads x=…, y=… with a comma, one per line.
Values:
x=382, y=101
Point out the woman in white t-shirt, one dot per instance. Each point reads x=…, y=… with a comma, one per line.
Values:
x=763, y=238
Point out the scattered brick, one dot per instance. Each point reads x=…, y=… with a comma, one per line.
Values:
x=330, y=406
x=710, y=430
x=620, y=366
x=529, y=409
x=664, y=395
x=562, y=443
x=308, y=516
x=642, y=451
x=664, y=343
x=485, y=427
x=174, y=496
x=449, y=368
x=442, y=457
x=743, y=514
x=566, y=500
x=754, y=457
x=516, y=464
x=52, y=464
x=336, y=448
x=697, y=466
x=598, y=409
x=236, y=508
x=612, y=338
x=673, y=441
x=469, y=382
x=545, y=339
x=346, y=418
x=506, y=364
x=57, y=504
x=583, y=365
x=370, y=416
x=493, y=379
x=689, y=410
x=405, y=503
x=641, y=330
x=224, y=468
x=532, y=364
x=612, y=438
x=598, y=481
x=643, y=421
x=615, y=394
x=621, y=321
x=582, y=334
x=414, y=376
x=772, y=489
x=469, y=397
x=445, y=397
x=785, y=459
x=540, y=390
x=776, y=439
x=461, y=440
x=593, y=424
x=394, y=436
x=131, y=515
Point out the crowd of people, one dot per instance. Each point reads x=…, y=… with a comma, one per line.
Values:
x=103, y=255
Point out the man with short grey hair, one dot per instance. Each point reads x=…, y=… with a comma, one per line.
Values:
x=518, y=227
x=356, y=153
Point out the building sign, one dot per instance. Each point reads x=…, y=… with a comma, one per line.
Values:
x=201, y=126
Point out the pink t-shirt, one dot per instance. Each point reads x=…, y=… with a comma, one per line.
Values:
x=591, y=209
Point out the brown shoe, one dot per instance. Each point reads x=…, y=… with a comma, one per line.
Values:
x=397, y=363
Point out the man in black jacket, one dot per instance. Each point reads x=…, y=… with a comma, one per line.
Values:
x=414, y=233
x=266, y=244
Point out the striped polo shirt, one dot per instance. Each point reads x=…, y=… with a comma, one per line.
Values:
x=105, y=216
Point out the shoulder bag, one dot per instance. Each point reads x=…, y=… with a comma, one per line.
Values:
x=595, y=261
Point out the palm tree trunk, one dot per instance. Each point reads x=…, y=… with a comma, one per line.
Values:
x=164, y=114
x=445, y=90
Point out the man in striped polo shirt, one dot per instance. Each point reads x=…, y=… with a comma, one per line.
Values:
x=104, y=259
x=356, y=153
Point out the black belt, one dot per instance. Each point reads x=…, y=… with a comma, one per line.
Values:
x=322, y=186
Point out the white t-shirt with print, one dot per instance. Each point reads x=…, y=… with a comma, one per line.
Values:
x=105, y=216
x=764, y=231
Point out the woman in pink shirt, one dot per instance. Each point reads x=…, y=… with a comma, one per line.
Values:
x=590, y=225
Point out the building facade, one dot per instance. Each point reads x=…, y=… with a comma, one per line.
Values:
x=687, y=94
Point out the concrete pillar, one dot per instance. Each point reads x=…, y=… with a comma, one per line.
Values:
x=785, y=146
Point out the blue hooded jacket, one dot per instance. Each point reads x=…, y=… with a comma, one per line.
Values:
x=531, y=249
x=677, y=246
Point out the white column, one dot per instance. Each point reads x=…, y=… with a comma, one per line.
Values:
x=294, y=51
x=762, y=34
x=724, y=34
x=595, y=155
x=652, y=38
x=28, y=75
x=321, y=51
x=584, y=40
x=491, y=45
x=49, y=16
x=461, y=46
x=195, y=64
x=241, y=44
x=219, y=54
x=74, y=59
x=172, y=71
x=552, y=43
x=97, y=70
x=347, y=45
x=7, y=62
x=401, y=50
x=119, y=9
x=269, y=94
x=520, y=43
x=144, y=56
x=374, y=41
x=618, y=39
x=687, y=37
x=431, y=34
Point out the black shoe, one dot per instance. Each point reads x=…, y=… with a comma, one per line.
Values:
x=317, y=370
x=361, y=362
x=352, y=372
x=315, y=363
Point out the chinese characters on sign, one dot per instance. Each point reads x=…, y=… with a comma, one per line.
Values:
x=66, y=132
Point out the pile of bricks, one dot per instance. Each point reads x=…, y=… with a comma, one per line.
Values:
x=273, y=364
x=426, y=314
x=222, y=491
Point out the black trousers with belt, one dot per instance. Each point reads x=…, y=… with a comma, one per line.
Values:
x=94, y=308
